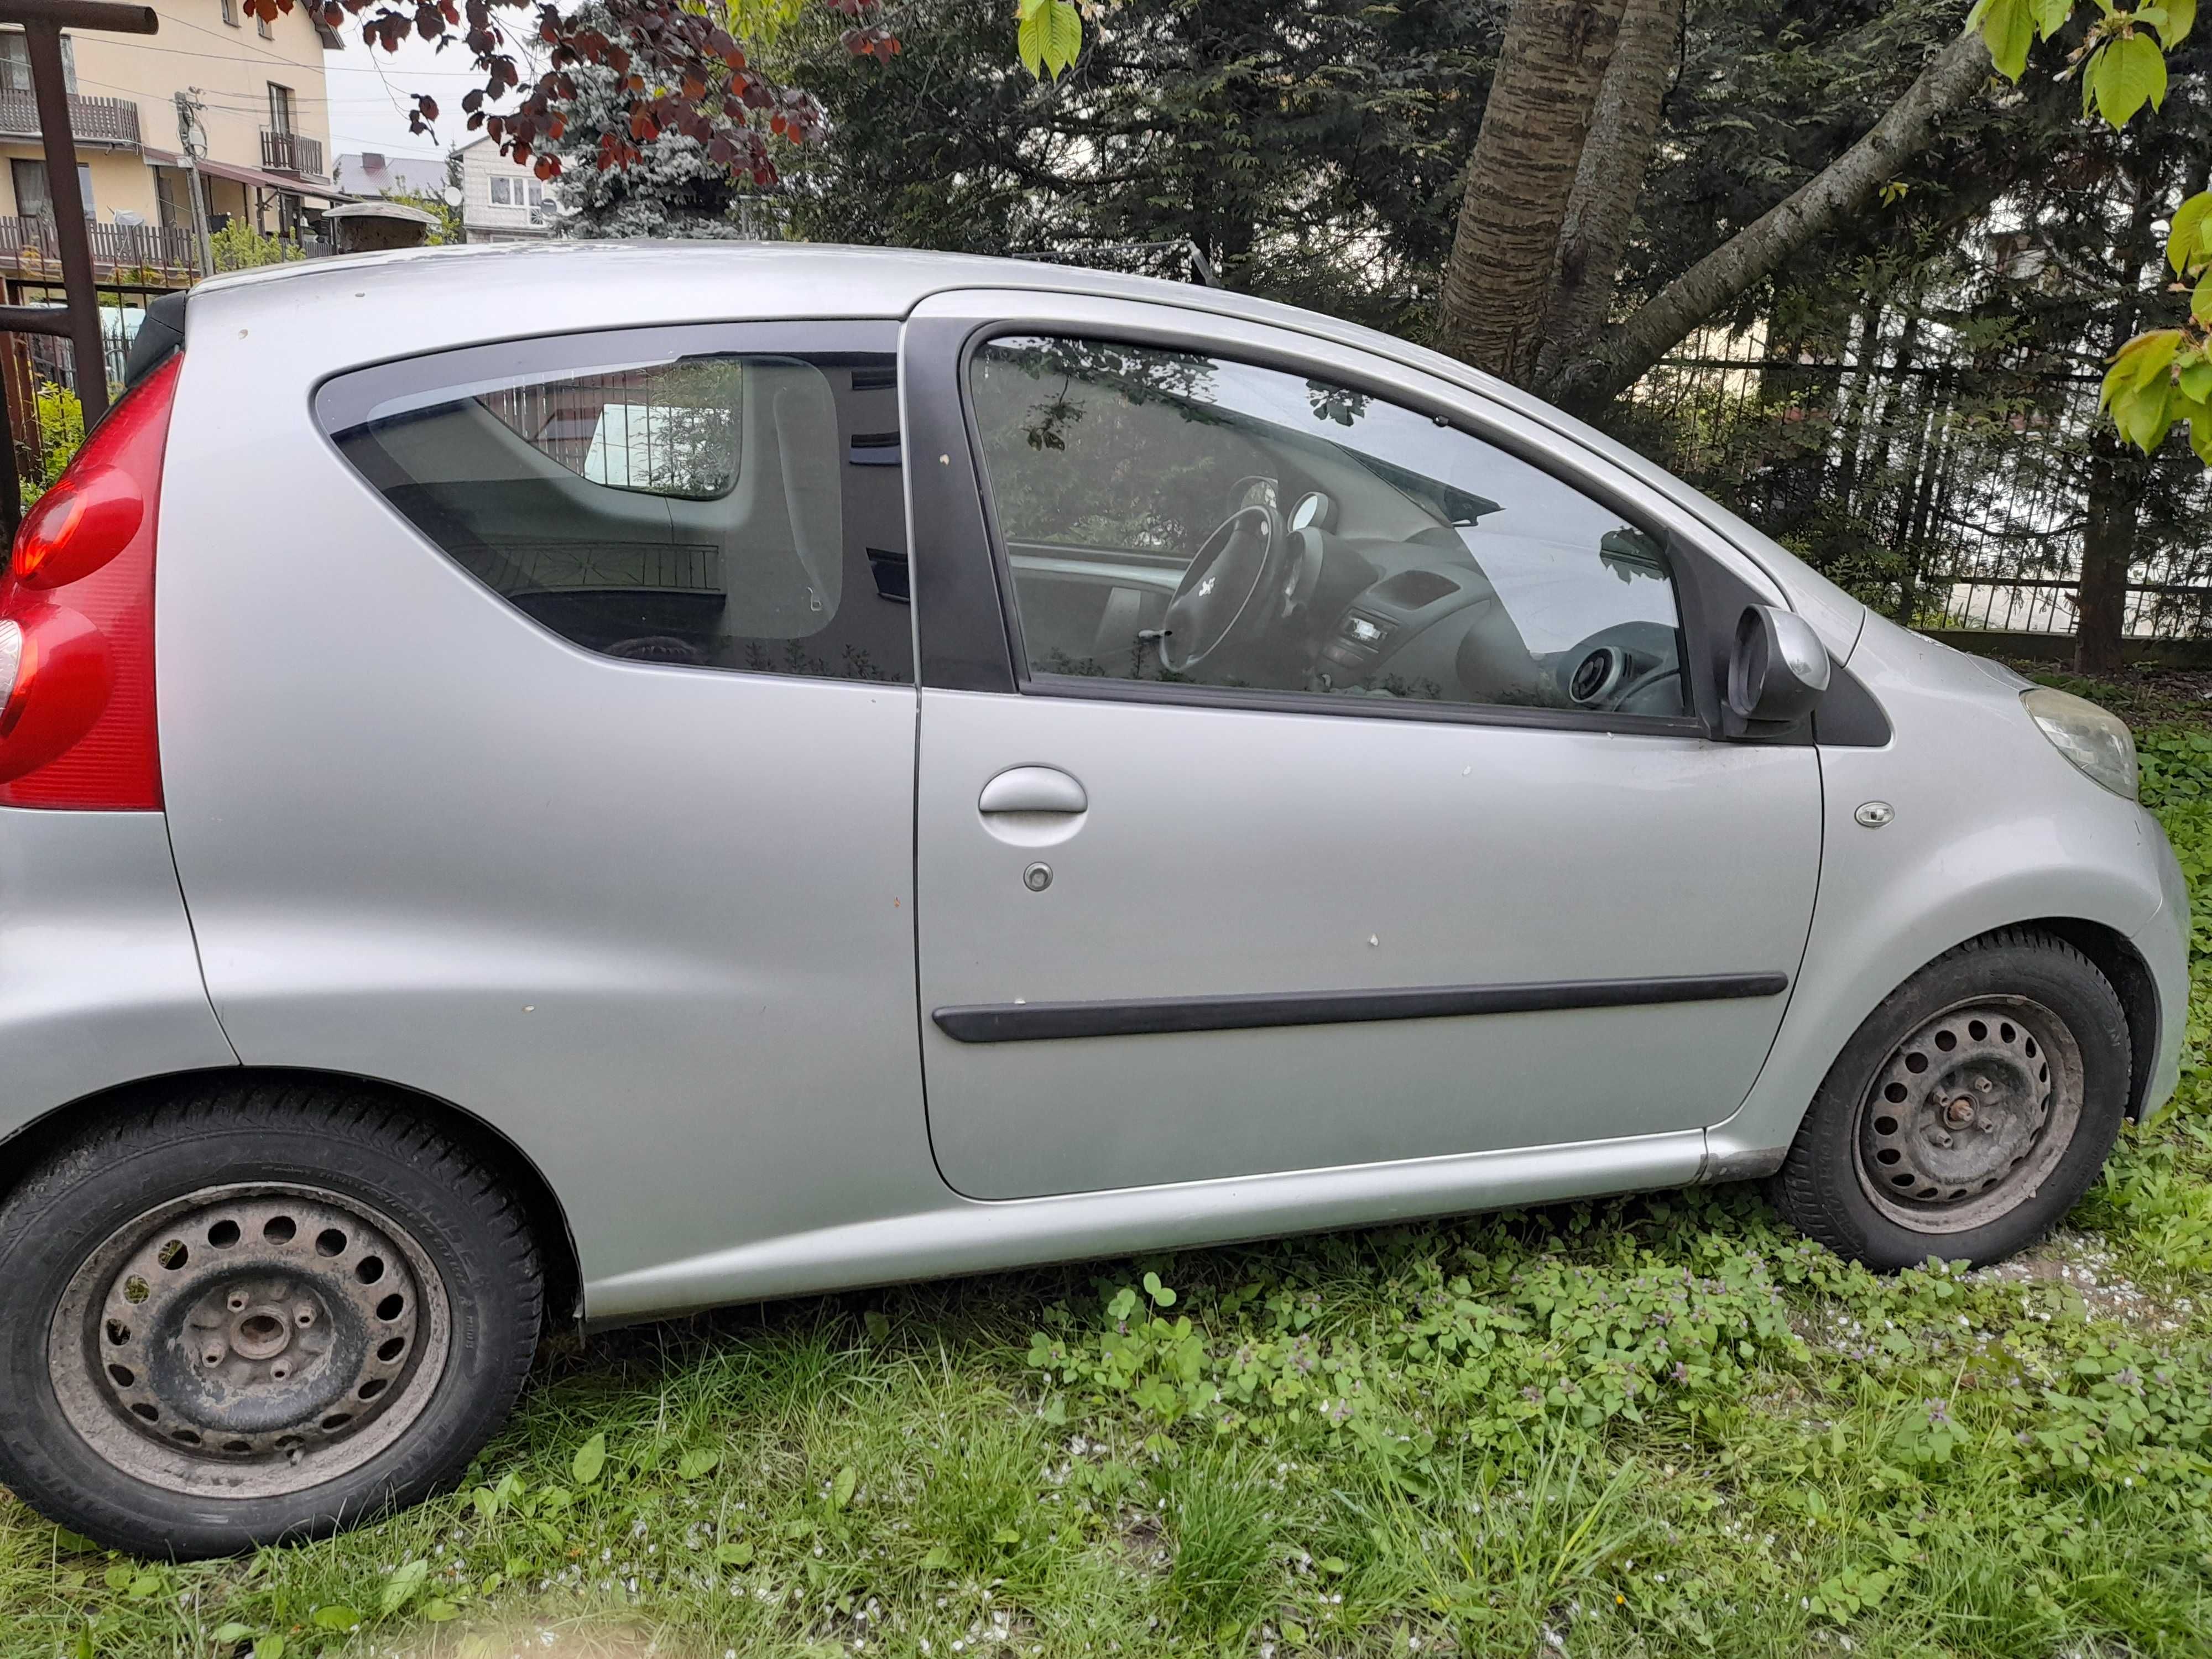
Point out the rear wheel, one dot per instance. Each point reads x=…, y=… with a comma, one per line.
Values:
x=255, y=1315
x=1969, y=1112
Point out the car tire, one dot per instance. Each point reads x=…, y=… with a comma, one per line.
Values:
x=1969, y=1112
x=256, y=1314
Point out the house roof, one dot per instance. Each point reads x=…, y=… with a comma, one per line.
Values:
x=372, y=172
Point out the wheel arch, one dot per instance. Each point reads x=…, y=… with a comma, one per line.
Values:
x=2123, y=965
x=24, y=1147
x=1752, y=1141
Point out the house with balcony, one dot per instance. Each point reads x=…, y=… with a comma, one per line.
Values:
x=247, y=95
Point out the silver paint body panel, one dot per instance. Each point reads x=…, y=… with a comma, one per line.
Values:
x=98, y=982
x=417, y=835
x=1241, y=851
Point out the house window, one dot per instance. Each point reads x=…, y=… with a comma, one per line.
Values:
x=230, y=12
x=15, y=63
x=537, y=194
x=172, y=196
x=261, y=27
x=33, y=199
x=502, y=193
x=280, y=107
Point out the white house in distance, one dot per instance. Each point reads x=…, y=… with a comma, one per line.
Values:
x=372, y=172
x=499, y=201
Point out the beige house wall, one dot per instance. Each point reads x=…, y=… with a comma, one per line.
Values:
x=231, y=66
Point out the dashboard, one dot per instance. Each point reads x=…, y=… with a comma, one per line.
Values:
x=1424, y=617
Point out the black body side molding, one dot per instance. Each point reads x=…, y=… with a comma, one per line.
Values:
x=1038, y=1022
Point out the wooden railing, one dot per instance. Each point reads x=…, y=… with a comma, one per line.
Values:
x=291, y=152
x=109, y=123
x=166, y=248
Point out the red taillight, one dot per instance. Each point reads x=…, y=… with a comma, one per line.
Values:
x=77, y=618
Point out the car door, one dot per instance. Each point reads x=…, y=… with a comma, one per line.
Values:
x=1432, y=852
x=560, y=765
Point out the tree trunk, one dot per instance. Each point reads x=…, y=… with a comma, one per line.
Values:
x=1609, y=180
x=2108, y=553
x=1520, y=179
x=2118, y=469
x=1730, y=270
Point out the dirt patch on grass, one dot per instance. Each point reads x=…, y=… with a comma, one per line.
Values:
x=529, y=1639
x=2084, y=1264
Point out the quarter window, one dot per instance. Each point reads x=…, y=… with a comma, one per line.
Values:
x=718, y=509
x=1170, y=516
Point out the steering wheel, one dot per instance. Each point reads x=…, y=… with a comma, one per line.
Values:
x=1217, y=603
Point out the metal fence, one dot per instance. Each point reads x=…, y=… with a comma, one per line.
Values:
x=32, y=243
x=1954, y=493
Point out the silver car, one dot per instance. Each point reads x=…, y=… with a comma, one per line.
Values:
x=582, y=782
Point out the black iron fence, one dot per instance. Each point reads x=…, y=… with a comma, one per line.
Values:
x=1954, y=493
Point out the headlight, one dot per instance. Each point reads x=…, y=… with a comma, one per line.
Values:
x=2097, y=742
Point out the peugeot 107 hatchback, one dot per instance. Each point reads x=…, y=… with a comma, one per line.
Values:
x=583, y=782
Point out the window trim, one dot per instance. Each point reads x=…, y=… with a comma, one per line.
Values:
x=343, y=398
x=1695, y=591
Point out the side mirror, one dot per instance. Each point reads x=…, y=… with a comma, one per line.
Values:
x=1777, y=671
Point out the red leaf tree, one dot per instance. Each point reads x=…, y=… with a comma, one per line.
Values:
x=680, y=70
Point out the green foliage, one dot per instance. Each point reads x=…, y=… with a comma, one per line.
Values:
x=448, y=231
x=1051, y=36
x=1310, y=151
x=239, y=246
x=61, y=430
x=2121, y=57
x=2163, y=377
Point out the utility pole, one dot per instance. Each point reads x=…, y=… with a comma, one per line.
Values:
x=191, y=138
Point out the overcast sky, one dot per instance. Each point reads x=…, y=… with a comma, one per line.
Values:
x=369, y=89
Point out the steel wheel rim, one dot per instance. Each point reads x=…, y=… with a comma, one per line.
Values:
x=1969, y=1115
x=249, y=1341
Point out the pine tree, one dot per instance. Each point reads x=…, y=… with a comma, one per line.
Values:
x=672, y=189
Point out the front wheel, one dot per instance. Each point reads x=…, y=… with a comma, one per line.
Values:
x=1969, y=1113
x=255, y=1315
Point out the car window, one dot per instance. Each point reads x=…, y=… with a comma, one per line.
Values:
x=668, y=429
x=729, y=510
x=1170, y=516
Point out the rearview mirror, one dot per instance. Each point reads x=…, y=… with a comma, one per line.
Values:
x=1777, y=671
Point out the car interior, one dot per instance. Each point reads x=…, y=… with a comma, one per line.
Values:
x=715, y=511
x=1166, y=520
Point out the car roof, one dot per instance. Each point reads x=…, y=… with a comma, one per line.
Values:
x=785, y=278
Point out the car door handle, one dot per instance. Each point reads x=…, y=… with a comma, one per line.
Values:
x=1034, y=789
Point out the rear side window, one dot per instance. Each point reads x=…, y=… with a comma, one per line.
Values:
x=726, y=499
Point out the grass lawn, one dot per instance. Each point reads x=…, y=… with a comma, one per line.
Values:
x=1655, y=1426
